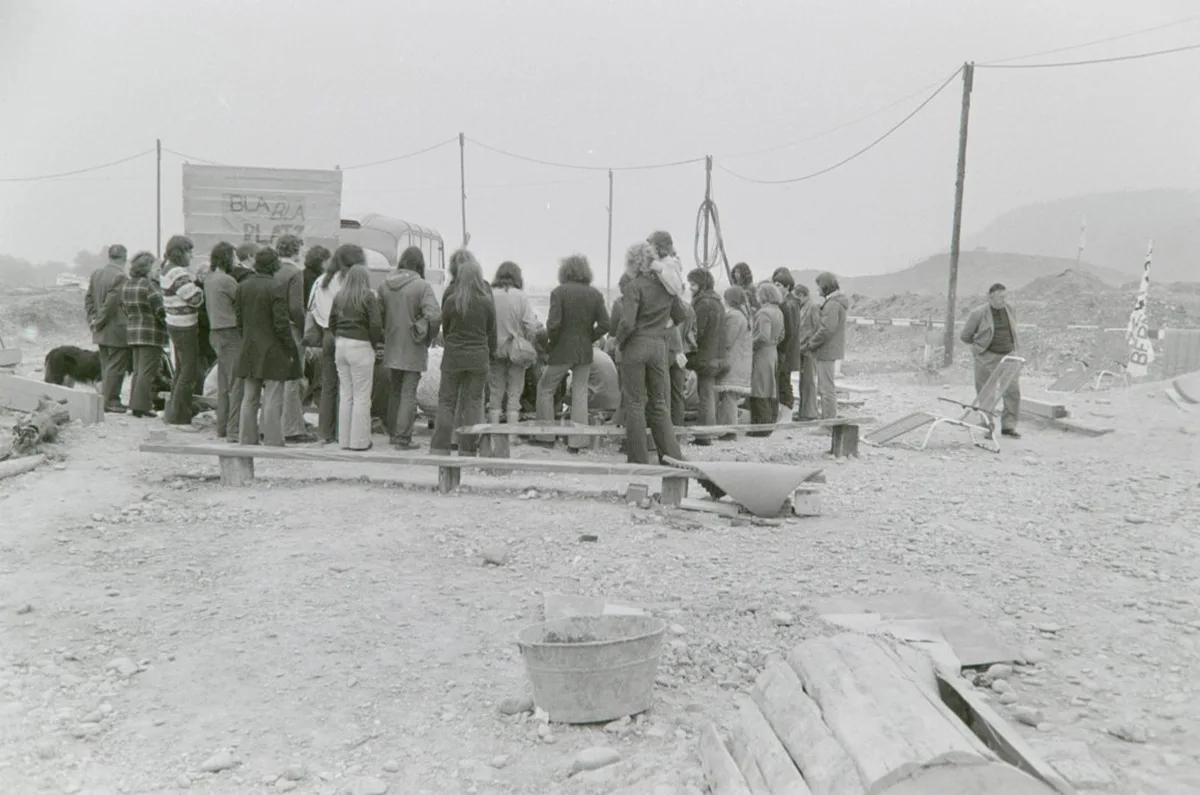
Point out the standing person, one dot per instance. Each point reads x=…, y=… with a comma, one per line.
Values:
x=576, y=320
x=789, y=349
x=810, y=321
x=320, y=302
x=357, y=327
x=146, y=331
x=646, y=309
x=107, y=321
x=604, y=386
x=269, y=356
x=517, y=325
x=291, y=276
x=245, y=261
x=706, y=361
x=828, y=344
x=991, y=331
x=220, y=290
x=411, y=317
x=183, y=300
x=744, y=278
x=469, y=333
x=680, y=335
x=315, y=260
x=767, y=333
x=737, y=355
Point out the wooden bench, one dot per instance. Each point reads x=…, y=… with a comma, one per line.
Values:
x=495, y=438
x=237, y=463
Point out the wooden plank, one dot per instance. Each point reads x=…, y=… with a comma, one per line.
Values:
x=855, y=389
x=711, y=506
x=19, y=466
x=767, y=752
x=796, y=720
x=721, y=430
x=724, y=776
x=996, y=732
x=845, y=441
x=1043, y=409
x=22, y=394
x=674, y=488
x=10, y=357
x=236, y=471
x=541, y=429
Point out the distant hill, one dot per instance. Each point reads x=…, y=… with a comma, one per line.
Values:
x=977, y=270
x=1119, y=225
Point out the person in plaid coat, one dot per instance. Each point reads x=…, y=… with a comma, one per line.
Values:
x=146, y=331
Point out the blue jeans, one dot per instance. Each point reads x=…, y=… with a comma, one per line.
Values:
x=645, y=397
x=460, y=403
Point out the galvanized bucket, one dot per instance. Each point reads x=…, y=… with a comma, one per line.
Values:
x=592, y=669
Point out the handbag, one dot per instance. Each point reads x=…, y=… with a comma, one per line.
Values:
x=314, y=335
x=521, y=352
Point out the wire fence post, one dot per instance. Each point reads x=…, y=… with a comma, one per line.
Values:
x=956, y=234
x=608, y=284
x=708, y=161
x=158, y=199
x=462, y=178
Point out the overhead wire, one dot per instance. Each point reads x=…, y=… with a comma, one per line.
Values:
x=78, y=170
x=1091, y=43
x=581, y=167
x=1113, y=59
x=192, y=157
x=397, y=158
x=854, y=156
x=473, y=186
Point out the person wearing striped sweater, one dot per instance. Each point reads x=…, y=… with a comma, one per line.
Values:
x=182, y=298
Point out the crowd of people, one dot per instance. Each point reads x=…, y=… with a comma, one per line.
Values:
x=771, y=346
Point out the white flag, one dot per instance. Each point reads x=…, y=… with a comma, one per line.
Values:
x=1141, y=352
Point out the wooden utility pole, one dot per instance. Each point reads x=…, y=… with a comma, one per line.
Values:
x=158, y=199
x=968, y=73
x=462, y=177
x=608, y=288
x=707, y=204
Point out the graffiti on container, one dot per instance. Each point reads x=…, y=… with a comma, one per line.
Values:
x=263, y=219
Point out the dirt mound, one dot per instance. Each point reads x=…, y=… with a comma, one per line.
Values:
x=49, y=314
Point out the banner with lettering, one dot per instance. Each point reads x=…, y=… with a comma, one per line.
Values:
x=1137, y=333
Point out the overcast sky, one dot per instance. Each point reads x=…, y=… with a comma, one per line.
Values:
x=626, y=82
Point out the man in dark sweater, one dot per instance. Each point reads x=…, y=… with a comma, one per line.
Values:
x=991, y=331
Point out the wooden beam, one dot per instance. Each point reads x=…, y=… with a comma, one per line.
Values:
x=613, y=431
x=1043, y=409
x=674, y=489
x=721, y=430
x=845, y=441
x=724, y=776
x=767, y=753
x=711, y=506
x=22, y=394
x=236, y=471
x=10, y=357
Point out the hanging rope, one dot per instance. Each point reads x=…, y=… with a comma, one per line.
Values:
x=716, y=250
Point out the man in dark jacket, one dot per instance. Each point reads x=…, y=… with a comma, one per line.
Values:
x=291, y=276
x=810, y=321
x=705, y=360
x=107, y=321
x=828, y=344
x=789, y=360
x=576, y=320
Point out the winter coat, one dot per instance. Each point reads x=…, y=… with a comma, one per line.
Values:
x=790, y=354
x=829, y=343
x=977, y=331
x=577, y=319
x=146, y=316
x=810, y=321
x=291, y=276
x=710, y=316
x=647, y=309
x=103, y=306
x=736, y=352
x=405, y=298
x=268, y=351
x=470, y=337
x=767, y=334
x=515, y=318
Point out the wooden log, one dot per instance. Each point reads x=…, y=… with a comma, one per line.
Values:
x=797, y=722
x=29, y=433
x=236, y=471
x=724, y=776
x=25, y=394
x=771, y=759
x=845, y=441
x=900, y=742
x=674, y=489
x=449, y=479
x=19, y=466
x=1043, y=409
x=743, y=754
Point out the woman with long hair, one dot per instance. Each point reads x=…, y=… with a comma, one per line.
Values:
x=736, y=355
x=357, y=327
x=767, y=333
x=517, y=325
x=220, y=291
x=320, y=302
x=142, y=302
x=469, y=335
x=411, y=317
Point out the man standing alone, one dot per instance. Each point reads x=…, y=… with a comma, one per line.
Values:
x=991, y=331
x=107, y=321
x=291, y=276
x=828, y=345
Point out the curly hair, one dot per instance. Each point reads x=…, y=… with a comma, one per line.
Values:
x=662, y=244
x=288, y=246
x=411, y=259
x=639, y=258
x=575, y=268
x=142, y=265
x=315, y=257
x=768, y=293
x=742, y=275
x=508, y=275
x=246, y=251
x=266, y=261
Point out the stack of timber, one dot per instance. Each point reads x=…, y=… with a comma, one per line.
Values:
x=848, y=715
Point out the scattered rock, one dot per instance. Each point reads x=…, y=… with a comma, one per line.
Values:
x=1049, y=627
x=783, y=619
x=295, y=773
x=368, y=785
x=221, y=760
x=516, y=705
x=25, y=609
x=1028, y=715
x=122, y=666
x=500, y=761
x=999, y=671
x=286, y=785
x=391, y=766
x=1133, y=518
x=495, y=554
x=589, y=537
x=1001, y=686
x=678, y=629
x=1008, y=698
x=594, y=758
x=1129, y=732
x=1032, y=655
x=183, y=782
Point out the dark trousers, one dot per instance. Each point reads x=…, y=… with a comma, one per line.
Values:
x=678, y=377
x=186, y=342
x=227, y=342
x=460, y=402
x=402, y=405
x=327, y=408
x=114, y=363
x=146, y=361
x=706, y=394
x=645, y=397
x=783, y=380
x=763, y=411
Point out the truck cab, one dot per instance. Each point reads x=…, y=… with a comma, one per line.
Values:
x=383, y=239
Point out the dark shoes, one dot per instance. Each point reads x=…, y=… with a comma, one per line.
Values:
x=301, y=438
x=404, y=444
x=141, y=414
x=115, y=408
x=1010, y=433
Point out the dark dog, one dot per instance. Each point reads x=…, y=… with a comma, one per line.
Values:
x=67, y=365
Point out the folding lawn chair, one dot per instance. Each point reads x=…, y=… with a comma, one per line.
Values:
x=982, y=411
